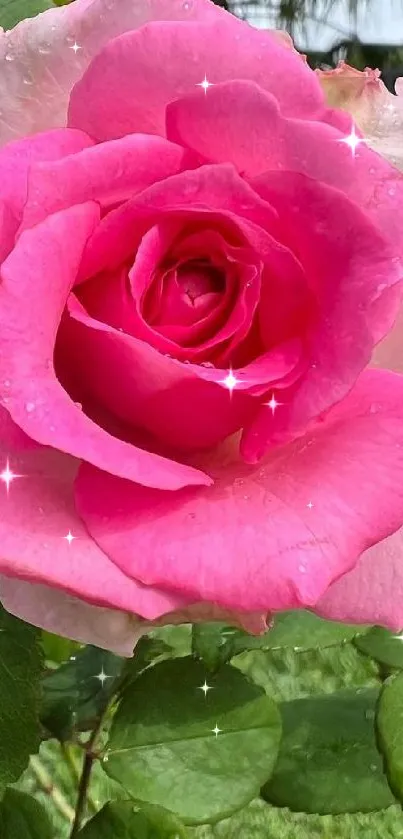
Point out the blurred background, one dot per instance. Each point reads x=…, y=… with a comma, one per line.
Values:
x=365, y=33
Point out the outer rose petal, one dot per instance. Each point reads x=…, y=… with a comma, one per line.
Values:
x=36, y=280
x=35, y=516
x=125, y=89
x=58, y=612
x=373, y=591
x=37, y=65
x=251, y=542
x=119, y=631
x=377, y=112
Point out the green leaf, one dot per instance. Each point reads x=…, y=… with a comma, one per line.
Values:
x=76, y=692
x=12, y=11
x=126, y=820
x=57, y=650
x=20, y=671
x=163, y=749
x=383, y=646
x=21, y=817
x=298, y=629
x=328, y=761
x=390, y=731
x=213, y=643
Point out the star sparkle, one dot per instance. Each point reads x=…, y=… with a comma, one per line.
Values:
x=69, y=538
x=216, y=730
x=205, y=688
x=273, y=404
x=102, y=676
x=310, y=505
x=205, y=84
x=75, y=47
x=230, y=381
x=8, y=476
x=352, y=141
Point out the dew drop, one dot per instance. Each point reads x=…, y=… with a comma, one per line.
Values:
x=44, y=49
x=302, y=569
x=27, y=81
x=9, y=56
x=6, y=383
x=29, y=407
x=186, y=6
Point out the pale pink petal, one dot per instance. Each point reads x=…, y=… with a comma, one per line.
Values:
x=36, y=280
x=373, y=591
x=376, y=111
x=272, y=537
x=58, y=612
x=43, y=57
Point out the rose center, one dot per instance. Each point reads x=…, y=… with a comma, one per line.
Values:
x=198, y=278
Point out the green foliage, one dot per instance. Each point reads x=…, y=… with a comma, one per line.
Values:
x=76, y=692
x=125, y=820
x=12, y=11
x=385, y=647
x=328, y=761
x=20, y=671
x=390, y=730
x=162, y=747
x=21, y=817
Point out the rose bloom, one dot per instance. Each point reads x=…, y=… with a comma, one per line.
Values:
x=199, y=257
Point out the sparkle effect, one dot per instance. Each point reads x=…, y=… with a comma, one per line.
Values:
x=216, y=730
x=310, y=505
x=75, y=47
x=230, y=381
x=352, y=141
x=273, y=404
x=205, y=84
x=102, y=676
x=205, y=688
x=8, y=476
x=69, y=538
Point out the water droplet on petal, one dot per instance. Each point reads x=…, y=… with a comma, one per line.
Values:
x=9, y=56
x=302, y=569
x=29, y=407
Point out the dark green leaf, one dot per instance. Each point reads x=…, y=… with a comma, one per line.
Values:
x=21, y=817
x=76, y=692
x=12, y=11
x=298, y=629
x=20, y=671
x=163, y=748
x=213, y=643
x=383, y=646
x=126, y=820
x=390, y=731
x=328, y=761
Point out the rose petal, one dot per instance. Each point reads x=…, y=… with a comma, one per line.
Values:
x=241, y=123
x=211, y=195
x=272, y=537
x=348, y=271
x=373, y=591
x=36, y=515
x=43, y=57
x=107, y=173
x=208, y=412
x=125, y=90
x=377, y=112
x=58, y=612
x=36, y=280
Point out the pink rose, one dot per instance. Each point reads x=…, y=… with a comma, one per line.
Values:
x=194, y=277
